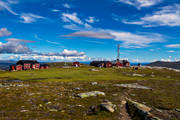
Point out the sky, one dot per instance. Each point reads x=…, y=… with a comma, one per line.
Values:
x=86, y=30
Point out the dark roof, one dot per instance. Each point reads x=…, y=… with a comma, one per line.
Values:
x=27, y=61
x=100, y=61
x=44, y=65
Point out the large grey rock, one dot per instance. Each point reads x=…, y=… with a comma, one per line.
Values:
x=141, y=109
x=89, y=94
x=94, y=83
x=178, y=110
x=133, y=85
x=93, y=70
x=108, y=106
x=137, y=75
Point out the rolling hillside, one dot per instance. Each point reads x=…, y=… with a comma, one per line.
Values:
x=175, y=65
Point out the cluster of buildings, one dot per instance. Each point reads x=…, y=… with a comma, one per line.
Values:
x=28, y=65
x=33, y=64
x=108, y=64
x=116, y=63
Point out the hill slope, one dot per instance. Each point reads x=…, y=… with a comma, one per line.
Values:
x=175, y=65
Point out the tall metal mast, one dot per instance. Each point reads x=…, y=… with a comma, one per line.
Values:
x=118, y=55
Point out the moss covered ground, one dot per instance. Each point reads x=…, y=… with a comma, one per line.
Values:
x=51, y=94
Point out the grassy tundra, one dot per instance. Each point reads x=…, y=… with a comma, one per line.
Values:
x=51, y=94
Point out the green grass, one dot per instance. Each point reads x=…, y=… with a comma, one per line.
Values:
x=56, y=85
x=84, y=74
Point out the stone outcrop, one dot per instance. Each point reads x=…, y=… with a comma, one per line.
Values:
x=90, y=94
x=141, y=111
x=133, y=85
x=108, y=106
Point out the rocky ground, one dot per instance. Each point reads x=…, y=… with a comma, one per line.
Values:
x=101, y=100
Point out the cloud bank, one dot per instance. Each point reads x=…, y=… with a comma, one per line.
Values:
x=128, y=39
x=4, y=32
x=173, y=46
x=167, y=16
x=140, y=3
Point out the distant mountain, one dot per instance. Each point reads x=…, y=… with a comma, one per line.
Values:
x=8, y=61
x=175, y=65
x=4, y=64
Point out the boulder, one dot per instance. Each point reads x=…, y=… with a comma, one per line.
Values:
x=140, y=110
x=93, y=70
x=108, y=106
x=90, y=94
x=178, y=110
x=94, y=83
x=77, y=89
x=137, y=75
x=133, y=85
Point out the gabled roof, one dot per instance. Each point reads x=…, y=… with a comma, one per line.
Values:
x=26, y=61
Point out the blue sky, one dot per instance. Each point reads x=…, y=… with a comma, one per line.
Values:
x=58, y=30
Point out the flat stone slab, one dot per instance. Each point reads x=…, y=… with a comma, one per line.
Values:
x=108, y=106
x=141, y=109
x=137, y=75
x=90, y=94
x=133, y=85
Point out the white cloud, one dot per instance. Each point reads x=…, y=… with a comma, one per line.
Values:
x=173, y=46
x=14, y=47
x=72, y=53
x=167, y=16
x=92, y=20
x=151, y=50
x=75, y=21
x=19, y=40
x=66, y=17
x=166, y=60
x=37, y=37
x=30, y=18
x=5, y=32
x=56, y=43
x=91, y=34
x=171, y=51
x=140, y=3
x=136, y=40
x=13, y=1
x=133, y=40
x=6, y=6
x=55, y=10
x=69, y=55
x=66, y=5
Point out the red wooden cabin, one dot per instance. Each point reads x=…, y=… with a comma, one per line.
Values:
x=19, y=67
x=28, y=64
x=41, y=67
x=126, y=63
x=13, y=67
x=119, y=64
x=44, y=66
x=76, y=64
x=101, y=64
x=108, y=64
x=35, y=66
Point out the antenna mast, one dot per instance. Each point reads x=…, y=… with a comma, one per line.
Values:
x=118, y=55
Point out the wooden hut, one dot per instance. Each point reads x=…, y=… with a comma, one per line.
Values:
x=126, y=63
x=118, y=64
x=76, y=64
x=101, y=64
x=28, y=64
x=19, y=67
x=44, y=66
x=12, y=67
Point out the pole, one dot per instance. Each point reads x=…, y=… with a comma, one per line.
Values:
x=118, y=52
